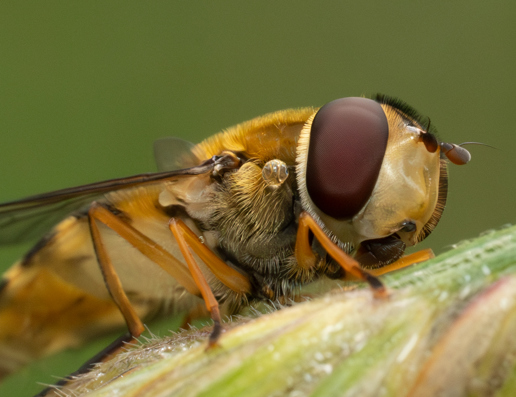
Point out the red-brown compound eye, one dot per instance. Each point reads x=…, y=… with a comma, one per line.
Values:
x=347, y=144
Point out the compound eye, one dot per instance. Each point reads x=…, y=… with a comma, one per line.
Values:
x=347, y=144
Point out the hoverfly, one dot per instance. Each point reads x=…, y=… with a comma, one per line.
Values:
x=252, y=213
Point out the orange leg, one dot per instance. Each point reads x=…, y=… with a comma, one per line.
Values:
x=407, y=260
x=230, y=277
x=233, y=279
x=306, y=258
x=191, y=279
x=146, y=246
x=111, y=279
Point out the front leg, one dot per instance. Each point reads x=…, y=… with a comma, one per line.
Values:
x=306, y=258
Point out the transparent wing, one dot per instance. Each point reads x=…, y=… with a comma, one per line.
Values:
x=27, y=219
x=174, y=154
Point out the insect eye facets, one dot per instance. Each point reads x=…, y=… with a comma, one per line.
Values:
x=347, y=145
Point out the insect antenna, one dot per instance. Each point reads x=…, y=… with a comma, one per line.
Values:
x=477, y=143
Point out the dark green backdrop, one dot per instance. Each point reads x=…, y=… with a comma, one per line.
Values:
x=85, y=88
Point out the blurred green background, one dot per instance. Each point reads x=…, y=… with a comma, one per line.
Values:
x=85, y=88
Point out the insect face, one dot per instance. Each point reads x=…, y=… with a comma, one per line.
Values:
x=368, y=171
